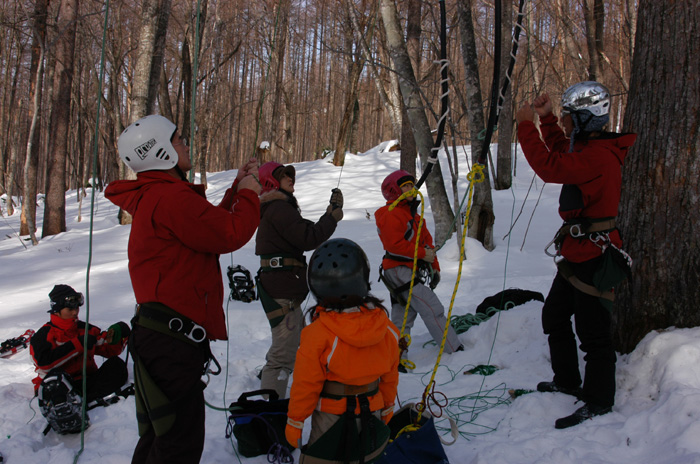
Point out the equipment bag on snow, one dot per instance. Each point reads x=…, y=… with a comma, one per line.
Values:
x=420, y=446
x=258, y=425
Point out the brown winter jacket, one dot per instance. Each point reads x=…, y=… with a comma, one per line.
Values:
x=284, y=232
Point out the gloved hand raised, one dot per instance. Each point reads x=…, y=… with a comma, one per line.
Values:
x=336, y=200
x=117, y=332
x=335, y=212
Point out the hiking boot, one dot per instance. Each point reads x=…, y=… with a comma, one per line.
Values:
x=402, y=369
x=552, y=387
x=587, y=411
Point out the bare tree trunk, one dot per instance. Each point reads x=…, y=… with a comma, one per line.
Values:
x=277, y=66
x=594, y=14
x=55, y=205
x=442, y=213
x=154, y=24
x=413, y=32
x=481, y=217
x=504, y=158
x=36, y=78
x=660, y=204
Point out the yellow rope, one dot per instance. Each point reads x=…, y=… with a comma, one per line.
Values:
x=475, y=175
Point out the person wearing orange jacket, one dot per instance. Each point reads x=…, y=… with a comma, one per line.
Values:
x=176, y=238
x=346, y=369
x=398, y=231
x=57, y=350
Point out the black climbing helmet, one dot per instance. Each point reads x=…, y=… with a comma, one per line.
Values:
x=339, y=272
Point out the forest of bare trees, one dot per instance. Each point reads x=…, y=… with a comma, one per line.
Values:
x=308, y=77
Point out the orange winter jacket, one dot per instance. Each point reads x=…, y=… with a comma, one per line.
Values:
x=398, y=230
x=355, y=347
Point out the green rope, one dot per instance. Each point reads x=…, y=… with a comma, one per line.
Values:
x=83, y=411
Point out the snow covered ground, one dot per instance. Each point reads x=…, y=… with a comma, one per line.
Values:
x=656, y=418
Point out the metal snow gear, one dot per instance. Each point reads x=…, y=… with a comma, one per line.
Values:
x=258, y=425
x=579, y=228
x=241, y=284
x=15, y=345
x=420, y=445
x=158, y=317
x=343, y=442
x=60, y=404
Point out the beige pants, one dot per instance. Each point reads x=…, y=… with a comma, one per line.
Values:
x=283, y=351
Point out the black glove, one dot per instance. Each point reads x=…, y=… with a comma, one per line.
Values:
x=434, y=279
x=91, y=340
x=336, y=200
x=117, y=332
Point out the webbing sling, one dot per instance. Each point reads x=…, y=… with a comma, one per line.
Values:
x=567, y=272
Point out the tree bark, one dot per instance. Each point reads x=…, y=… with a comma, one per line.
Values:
x=442, y=213
x=60, y=130
x=594, y=14
x=660, y=204
x=504, y=157
x=36, y=79
x=481, y=217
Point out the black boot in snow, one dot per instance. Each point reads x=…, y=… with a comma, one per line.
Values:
x=587, y=411
x=555, y=388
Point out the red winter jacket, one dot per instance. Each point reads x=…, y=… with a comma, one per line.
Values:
x=591, y=174
x=176, y=239
x=59, y=343
x=398, y=230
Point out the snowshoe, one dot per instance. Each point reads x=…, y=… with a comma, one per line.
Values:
x=15, y=345
x=60, y=404
x=112, y=398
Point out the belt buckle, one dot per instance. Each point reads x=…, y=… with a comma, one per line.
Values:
x=276, y=262
x=197, y=333
x=575, y=231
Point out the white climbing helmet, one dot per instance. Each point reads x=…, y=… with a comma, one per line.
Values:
x=145, y=145
x=587, y=95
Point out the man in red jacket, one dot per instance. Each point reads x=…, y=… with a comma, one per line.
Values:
x=587, y=161
x=174, y=247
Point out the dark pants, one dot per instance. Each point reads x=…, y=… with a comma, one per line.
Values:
x=176, y=367
x=593, y=327
x=108, y=379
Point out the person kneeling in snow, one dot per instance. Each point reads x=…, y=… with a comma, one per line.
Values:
x=346, y=369
x=57, y=350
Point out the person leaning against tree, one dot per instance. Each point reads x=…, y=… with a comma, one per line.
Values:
x=174, y=247
x=587, y=161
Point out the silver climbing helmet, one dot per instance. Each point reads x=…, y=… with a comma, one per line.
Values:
x=586, y=96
